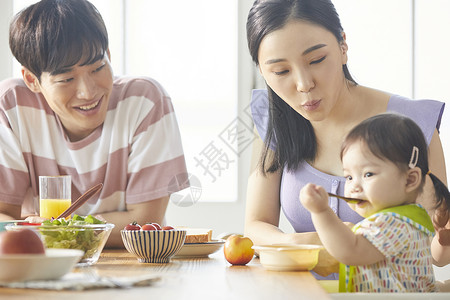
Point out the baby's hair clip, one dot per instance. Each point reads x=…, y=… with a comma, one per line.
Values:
x=414, y=157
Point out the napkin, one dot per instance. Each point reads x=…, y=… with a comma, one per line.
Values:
x=83, y=281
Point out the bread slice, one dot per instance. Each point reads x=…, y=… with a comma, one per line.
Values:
x=197, y=235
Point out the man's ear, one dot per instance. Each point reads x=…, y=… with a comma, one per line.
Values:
x=413, y=179
x=31, y=80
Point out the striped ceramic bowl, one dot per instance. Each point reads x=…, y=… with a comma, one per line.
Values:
x=153, y=246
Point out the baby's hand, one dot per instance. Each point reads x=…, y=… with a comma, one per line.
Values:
x=314, y=198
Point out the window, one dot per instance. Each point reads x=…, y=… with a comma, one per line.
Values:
x=192, y=51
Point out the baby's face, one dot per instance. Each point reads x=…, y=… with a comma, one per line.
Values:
x=380, y=183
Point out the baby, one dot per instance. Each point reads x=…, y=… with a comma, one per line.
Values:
x=385, y=162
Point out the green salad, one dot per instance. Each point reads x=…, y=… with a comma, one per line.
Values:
x=69, y=234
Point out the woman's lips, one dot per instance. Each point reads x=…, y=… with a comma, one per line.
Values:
x=311, y=105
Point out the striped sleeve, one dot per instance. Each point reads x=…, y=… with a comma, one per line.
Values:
x=156, y=156
x=14, y=175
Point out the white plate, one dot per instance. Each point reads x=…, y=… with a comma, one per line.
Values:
x=51, y=265
x=4, y=223
x=199, y=249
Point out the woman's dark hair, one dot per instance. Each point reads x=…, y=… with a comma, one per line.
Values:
x=294, y=134
x=392, y=137
x=53, y=35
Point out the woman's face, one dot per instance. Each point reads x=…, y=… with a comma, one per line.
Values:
x=79, y=96
x=302, y=63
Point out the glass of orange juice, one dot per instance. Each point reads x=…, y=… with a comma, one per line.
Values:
x=54, y=195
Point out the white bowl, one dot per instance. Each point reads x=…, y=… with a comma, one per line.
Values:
x=52, y=265
x=288, y=257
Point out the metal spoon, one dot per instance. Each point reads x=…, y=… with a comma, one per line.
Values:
x=81, y=200
x=349, y=200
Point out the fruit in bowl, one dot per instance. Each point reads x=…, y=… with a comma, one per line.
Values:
x=152, y=244
x=84, y=233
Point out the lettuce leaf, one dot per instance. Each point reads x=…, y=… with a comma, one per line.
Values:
x=71, y=236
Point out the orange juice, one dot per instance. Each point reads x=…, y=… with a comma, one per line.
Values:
x=53, y=207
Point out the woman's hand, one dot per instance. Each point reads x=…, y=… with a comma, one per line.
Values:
x=441, y=223
x=443, y=236
x=327, y=264
x=440, y=215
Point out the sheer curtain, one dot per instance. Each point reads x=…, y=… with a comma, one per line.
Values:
x=191, y=48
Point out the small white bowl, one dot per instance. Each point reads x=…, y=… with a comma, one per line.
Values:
x=288, y=257
x=52, y=265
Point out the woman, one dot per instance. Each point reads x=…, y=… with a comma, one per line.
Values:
x=313, y=102
x=69, y=115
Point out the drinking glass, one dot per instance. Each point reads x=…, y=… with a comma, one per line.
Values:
x=54, y=195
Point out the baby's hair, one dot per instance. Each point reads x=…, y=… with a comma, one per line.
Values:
x=393, y=137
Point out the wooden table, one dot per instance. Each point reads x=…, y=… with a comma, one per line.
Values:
x=196, y=278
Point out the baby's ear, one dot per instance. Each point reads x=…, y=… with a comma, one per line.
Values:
x=413, y=179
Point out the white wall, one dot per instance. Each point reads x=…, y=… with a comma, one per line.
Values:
x=226, y=217
x=5, y=54
x=432, y=65
x=433, y=60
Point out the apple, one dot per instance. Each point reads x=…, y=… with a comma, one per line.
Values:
x=133, y=226
x=157, y=226
x=167, y=227
x=23, y=241
x=148, y=227
x=238, y=249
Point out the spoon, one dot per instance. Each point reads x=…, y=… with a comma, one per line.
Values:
x=347, y=199
x=81, y=200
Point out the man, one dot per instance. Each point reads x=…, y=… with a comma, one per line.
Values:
x=69, y=115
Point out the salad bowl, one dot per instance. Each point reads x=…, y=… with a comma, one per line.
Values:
x=82, y=233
